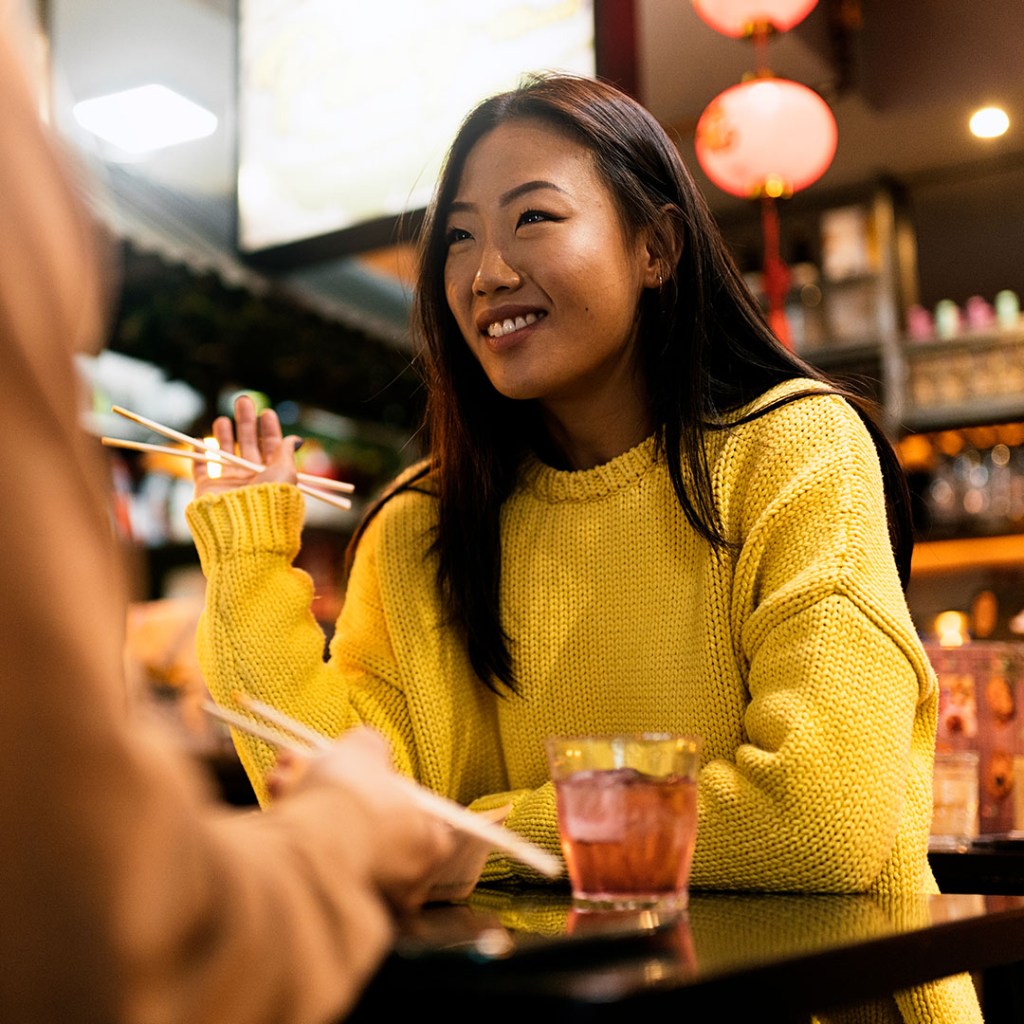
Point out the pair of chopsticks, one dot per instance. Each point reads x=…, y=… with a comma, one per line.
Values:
x=200, y=451
x=286, y=733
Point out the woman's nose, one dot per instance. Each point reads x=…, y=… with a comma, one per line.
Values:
x=494, y=273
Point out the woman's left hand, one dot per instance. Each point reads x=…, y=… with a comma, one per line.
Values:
x=259, y=440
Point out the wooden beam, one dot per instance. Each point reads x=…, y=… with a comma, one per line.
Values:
x=616, y=44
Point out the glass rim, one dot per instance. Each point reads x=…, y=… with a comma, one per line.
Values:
x=956, y=756
x=692, y=741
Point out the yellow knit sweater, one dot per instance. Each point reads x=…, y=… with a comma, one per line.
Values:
x=792, y=655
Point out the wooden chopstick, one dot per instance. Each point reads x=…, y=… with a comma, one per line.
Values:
x=314, y=486
x=213, y=455
x=316, y=740
x=306, y=741
x=161, y=449
x=324, y=483
x=274, y=737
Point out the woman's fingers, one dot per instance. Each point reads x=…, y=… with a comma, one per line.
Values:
x=269, y=435
x=281, y=465
x=257, y=438
x=223, y=431
x=247, y=429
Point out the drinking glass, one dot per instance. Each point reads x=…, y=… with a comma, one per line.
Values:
x=627, y=815
x=954, y=800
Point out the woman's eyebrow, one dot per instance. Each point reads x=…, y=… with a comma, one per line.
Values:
x=528, y=186
x=460, y=206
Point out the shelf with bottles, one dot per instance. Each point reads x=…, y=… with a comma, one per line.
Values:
x=851, y=273
x=838, y=306
x=852, y=358
x=863, y=272
x=975, y=375
x=967, y=493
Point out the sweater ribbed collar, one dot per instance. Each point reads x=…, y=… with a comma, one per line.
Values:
x=549, y=484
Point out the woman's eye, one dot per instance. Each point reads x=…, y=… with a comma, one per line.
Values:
x=535, y=217
x=456, y=235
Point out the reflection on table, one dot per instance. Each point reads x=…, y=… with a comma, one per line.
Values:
x=736, y=956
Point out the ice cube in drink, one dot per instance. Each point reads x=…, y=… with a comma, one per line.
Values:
x=627, y=837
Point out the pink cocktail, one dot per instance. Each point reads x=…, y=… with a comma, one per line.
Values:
x=627, y=814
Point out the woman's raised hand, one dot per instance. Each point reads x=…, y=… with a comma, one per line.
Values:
x=259, y=440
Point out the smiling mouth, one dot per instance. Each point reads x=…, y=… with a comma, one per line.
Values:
x=502, y=327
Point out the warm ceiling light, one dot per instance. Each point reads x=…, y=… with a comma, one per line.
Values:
x=951, y=629
x=989, y=122
x=145, y=118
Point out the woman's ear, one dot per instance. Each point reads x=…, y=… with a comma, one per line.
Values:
x=663, y=246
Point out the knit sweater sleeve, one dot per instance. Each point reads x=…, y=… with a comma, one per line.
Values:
x=257, y=633
x=839, y=728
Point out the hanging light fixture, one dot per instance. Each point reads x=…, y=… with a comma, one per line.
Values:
x=766, y=137
x=741, y=18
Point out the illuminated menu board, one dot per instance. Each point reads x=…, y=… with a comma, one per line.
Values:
x=346, y=107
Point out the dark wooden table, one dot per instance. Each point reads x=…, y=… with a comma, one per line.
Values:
x=778, y=958
x=989, y=865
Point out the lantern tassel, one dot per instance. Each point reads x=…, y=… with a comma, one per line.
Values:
x=776, y=273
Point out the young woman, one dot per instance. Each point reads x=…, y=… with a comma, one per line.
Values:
x=639, y=512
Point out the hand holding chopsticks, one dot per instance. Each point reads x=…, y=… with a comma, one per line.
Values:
x=284, y=733
x=201, y=451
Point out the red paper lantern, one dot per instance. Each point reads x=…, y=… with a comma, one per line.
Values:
x=739, y=18
x=766, y=137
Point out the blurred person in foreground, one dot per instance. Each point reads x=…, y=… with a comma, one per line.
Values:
x=126, y=894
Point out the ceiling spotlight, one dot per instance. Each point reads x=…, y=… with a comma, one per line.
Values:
x=989, y=122
x=145, y=118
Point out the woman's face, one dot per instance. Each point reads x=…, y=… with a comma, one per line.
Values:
x=541, y=275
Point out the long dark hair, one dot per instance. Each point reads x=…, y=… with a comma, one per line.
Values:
x=705, y=349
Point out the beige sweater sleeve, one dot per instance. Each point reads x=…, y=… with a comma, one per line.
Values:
x=126, y=893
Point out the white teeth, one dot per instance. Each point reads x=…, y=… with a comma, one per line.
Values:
x=502, y=327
